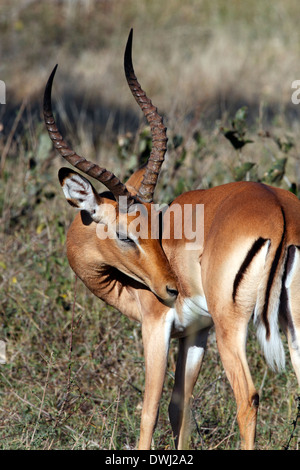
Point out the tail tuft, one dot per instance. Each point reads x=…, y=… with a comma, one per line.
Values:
x=267, y=310
x=272, y=347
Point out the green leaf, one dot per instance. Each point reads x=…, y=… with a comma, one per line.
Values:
x=276, y=172
x=241, y=171
x=236, y=134
x=177, y=140
x=285, y=145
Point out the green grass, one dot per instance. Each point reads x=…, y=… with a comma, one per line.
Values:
x=89, y=396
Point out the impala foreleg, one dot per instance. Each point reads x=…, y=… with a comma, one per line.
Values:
x=156, y=340
x=190, y=355
x=231, y=342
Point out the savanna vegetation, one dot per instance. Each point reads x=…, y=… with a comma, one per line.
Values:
x=221, y=73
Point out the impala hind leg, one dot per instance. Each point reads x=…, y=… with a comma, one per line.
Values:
x=190, y=355
x=156, y=340
x=231, y=340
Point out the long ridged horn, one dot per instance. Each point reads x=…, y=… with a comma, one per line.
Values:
x=101, y=174
x=158, y=130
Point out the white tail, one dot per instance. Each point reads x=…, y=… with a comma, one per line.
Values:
x=266, y=313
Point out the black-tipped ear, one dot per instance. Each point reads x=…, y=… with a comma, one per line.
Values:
x=64, y=173
x=79, y=192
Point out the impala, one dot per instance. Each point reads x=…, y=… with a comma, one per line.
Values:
x=246, y=265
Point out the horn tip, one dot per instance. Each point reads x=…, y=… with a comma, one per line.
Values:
x=128, y=49
x=48, y=88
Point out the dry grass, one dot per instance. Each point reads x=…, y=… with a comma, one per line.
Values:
x=200, y=50
x=199, y=60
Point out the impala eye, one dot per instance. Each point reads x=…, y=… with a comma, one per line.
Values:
x=124, y=238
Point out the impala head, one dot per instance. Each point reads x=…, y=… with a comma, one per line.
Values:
x=125, y=222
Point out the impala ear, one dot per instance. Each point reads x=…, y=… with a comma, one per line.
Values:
x=134, y=182
x=79, y=192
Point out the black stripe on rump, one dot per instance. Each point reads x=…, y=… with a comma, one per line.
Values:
x=271, y=278
x=257, y=245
